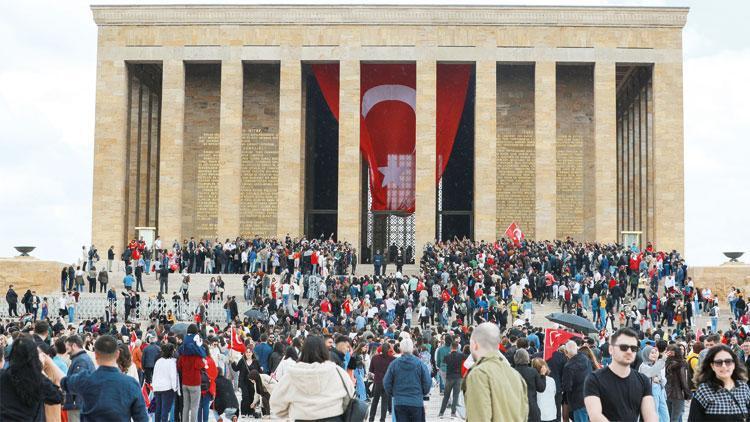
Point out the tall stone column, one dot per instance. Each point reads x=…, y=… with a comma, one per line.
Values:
x=669, y=164
x=605, y=152
x=350, y=186
x=170, y=155
x=291, y=165
x=109, y=205
x=426, y=153
x=545, y=132
x=485, y=152
x=230, y=149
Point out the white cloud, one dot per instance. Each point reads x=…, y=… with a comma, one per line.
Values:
x=717, y=176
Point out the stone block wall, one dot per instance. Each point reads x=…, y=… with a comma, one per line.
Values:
x=33, y=274
x=575, y=152
x=201, y=150
x=515, y=148
x=260, y=150
x=722, y=278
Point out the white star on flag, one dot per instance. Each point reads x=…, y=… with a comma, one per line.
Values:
x=391, y=173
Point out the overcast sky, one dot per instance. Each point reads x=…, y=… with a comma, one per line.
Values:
x=47, y=87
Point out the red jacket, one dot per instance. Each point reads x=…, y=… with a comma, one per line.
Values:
x=189, y=368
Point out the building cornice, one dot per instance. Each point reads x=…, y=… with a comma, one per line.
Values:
x=168, y=15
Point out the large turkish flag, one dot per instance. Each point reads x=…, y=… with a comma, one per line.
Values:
x=388, y=100
x=388, y=123
x=553, y=339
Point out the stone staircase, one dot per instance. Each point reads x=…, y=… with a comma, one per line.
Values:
x=93, y=305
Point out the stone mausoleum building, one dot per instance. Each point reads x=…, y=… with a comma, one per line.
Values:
x=219, y=121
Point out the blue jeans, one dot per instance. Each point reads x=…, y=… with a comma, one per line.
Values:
x=580, y=415
x=660, y=400
x=164, y=401
x=203, y=408
x=714, y=324
x=676, y=409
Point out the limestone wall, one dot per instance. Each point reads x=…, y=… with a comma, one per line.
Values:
x=720, y=279
x=260, y=150
x=515, y=148
x=29, y=273
x=575, y=152
x=200, y=188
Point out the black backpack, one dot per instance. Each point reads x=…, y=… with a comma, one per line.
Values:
x=205, y=381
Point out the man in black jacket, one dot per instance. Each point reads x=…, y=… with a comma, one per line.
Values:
x=453, y=363
x=151, y=353
x=556, y=365
x=12, y=298
x=573, y=378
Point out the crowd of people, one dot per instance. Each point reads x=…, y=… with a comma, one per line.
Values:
x=324, y=342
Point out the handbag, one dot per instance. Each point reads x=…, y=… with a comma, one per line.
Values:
x=355, y=410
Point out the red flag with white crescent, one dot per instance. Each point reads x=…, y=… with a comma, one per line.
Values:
x=388, y=100
x=235, y=342
x=514, y=233
x=553, y=339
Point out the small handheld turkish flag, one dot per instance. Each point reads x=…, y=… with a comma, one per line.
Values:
x=514, y=233
x=553, y=339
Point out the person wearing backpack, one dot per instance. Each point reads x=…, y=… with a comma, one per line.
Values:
x=190, y=365
x=693, y=363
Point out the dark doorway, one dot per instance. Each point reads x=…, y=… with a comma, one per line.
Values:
x=455, y=191
x=321, y=161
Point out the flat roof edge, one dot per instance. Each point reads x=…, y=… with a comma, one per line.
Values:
x=438, y=15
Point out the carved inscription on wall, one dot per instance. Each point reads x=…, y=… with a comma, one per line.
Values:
x=516, y=150
x=516, y=177
x=200, y=181
x=206, y=185
x=260, y=150
x=575, y=145
x=258, y=195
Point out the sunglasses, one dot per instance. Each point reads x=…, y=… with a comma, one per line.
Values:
x=723, y=362
x=626, y=347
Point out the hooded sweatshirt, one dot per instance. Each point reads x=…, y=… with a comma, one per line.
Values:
x=311, y=391
x=653, y=370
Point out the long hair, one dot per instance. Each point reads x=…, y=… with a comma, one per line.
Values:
x=314, y=350
x=125, y=359
x=706, y=373
x=25, y=371
x=586, y=351
x=676, y=361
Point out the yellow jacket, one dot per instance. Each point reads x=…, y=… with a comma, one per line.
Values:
x=495, y=392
